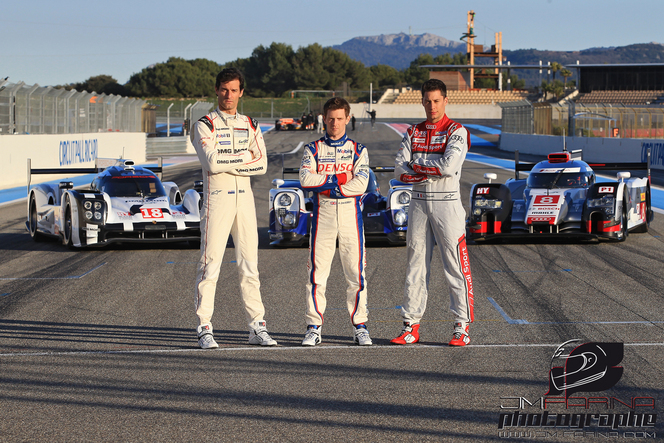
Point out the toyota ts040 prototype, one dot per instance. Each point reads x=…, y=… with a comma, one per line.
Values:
x=124, y=203
x=385, y=218
x=562, y=197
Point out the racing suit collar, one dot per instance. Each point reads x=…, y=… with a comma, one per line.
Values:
x=335, y=143
x=225, y=116
x=440, y=124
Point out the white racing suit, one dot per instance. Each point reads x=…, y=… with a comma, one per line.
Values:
x=337, y=171
x=231, y=149
x=430, y=157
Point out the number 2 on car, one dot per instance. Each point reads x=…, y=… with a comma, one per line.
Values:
x=152, y=213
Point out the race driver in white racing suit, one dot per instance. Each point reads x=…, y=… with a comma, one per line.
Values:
x=231, y=149
x=430, y=157
x=337, y=170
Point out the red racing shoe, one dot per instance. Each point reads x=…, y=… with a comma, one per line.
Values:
x=409, y=334
x=460, y=336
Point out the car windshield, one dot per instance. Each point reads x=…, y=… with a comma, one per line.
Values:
x=559, y=179
x=133, y=186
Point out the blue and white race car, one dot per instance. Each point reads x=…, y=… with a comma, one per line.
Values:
x=124, y=203
x=385, y=218
x=562, y=197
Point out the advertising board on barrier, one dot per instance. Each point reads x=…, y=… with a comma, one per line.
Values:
x=77, y=151
x=64, y=150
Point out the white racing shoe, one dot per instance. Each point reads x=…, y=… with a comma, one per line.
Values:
x=205, y=338
x=312, y=336
x=362, y=337
x=258, y=335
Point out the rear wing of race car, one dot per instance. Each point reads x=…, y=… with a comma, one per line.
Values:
x=373, y=168
x=640, y=166
x=100, y=165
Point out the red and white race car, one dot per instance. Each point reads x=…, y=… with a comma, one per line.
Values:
x=562, y=196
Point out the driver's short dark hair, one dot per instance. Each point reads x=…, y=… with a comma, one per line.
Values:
x=228, y=74
x=336, y=103
x=433, y=84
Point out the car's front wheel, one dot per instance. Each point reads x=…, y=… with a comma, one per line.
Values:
x=623, y=223
x=68, y=226
x=32, y=220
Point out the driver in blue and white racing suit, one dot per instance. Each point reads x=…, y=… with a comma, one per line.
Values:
x=337, y=170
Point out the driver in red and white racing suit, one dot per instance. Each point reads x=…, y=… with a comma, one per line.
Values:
x=430, y=157
x=231, y=149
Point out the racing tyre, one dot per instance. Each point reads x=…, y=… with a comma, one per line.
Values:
x=623, y=223
x=32, y=220
x=643, y=228
x=68, y=226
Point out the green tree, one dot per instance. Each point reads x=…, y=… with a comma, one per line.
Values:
x=269, y=71
x=175, y=78
x=308, y=70
x=101, y=84
x=414, y=75
x=383, y=76
x=555, y=67
x=565, y=73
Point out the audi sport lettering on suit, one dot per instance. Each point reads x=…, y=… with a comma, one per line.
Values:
x=224, y=144
x=430, y=157
x=326, y=164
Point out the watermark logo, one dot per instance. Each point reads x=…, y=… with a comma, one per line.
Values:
x=589, y=367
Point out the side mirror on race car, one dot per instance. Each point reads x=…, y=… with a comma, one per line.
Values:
x=277, y=182
x=490, y=176
x=66, y=185
x=623, y=175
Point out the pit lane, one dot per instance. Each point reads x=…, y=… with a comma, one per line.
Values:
x=112, y=354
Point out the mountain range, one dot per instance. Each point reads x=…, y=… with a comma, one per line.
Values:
x=398, y=50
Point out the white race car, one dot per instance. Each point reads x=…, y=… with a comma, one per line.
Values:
x=124, y=203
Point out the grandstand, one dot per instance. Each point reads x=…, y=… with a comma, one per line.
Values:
x=472, y=97
x=622, y=97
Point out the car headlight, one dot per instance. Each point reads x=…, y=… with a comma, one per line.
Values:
x=400, y=217
x=488, y=203
x=97, y=206
x=87, y=205
x=88, y=215
x=287, y=219
x=607, y=200
x=97, y=216
x=284, y=200
x=404, y=198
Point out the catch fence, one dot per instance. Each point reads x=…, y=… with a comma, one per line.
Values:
x=583, y=120
x=26, y=109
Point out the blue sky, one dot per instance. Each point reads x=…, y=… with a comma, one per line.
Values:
x=51, y=42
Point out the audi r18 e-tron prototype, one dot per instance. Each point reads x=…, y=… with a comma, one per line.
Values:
x=124, y=203
x=562, y=197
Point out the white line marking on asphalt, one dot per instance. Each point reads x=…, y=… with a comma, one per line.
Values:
x=296, y=149
x=319, y=348
x=74, y=277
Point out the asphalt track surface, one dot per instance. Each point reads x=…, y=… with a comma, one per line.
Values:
x=99, y=345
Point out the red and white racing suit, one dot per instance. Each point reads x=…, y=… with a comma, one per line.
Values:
x=430, y=157
x=231, y=149
x=337, y=171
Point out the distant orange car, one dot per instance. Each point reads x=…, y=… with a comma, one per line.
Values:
x=288, y=124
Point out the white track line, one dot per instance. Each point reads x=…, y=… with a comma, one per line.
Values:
x=294, y=151
x=320, y=348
